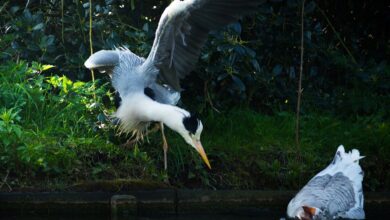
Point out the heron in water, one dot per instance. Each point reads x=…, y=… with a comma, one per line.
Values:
x=150, y=88
x=335, y=192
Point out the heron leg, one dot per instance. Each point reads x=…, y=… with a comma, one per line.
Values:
x=165, y=146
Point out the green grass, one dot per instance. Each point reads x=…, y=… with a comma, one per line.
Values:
x=252, y=150
x=54, y=134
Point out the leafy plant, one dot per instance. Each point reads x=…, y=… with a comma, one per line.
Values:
x=253, y=62
x=52, y=126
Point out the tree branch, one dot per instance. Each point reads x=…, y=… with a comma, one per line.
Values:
x=300, y=90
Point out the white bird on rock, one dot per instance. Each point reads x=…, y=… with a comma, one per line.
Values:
x=335, y=192
x=150, y=88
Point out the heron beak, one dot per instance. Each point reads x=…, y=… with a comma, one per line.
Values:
x=311, y=211
x=199, y=148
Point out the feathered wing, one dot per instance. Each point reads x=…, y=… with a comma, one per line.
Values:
x=336, y=190
x=103, y=59
x=347, y=164
x=183, y=30
x=120, y=64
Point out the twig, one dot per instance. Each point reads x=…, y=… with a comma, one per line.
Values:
x=206, y=91
x=300, y=90
x=91, y=46
x=27, y=4
x=62, y=21
x=5, y=181
x=337, y=34
x=80, y=22
x=4, y=6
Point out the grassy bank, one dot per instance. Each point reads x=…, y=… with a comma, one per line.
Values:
x=56, y=133
x=251, y=150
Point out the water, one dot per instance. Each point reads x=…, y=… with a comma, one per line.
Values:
x=243, y=216
x=376, y=212
x=168, y=217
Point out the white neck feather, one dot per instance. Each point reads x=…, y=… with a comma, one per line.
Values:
x=170, y=115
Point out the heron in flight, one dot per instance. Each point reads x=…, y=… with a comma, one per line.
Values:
x=150, y=88
x=335, y=192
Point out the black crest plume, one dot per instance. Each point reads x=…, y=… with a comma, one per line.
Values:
x=191, y=123
x=150, y=93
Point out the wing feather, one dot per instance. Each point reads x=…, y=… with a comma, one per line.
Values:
x=183, y=29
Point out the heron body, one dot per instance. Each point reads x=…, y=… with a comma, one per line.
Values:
x=335, y=192
x=150, y=88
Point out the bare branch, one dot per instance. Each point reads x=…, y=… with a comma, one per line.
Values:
x=300, y=90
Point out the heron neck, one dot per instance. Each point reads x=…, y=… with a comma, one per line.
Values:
x=170, y=115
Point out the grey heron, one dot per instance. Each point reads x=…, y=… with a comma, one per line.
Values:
x=150, y=88
x=335, y=192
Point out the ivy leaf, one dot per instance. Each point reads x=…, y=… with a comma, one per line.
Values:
x=222, y=76
x=38, y=27
x=277, y=70
x=146, y=27
x=240, y=50
x=310, y=7
x=236, y=27
x=132, y=5
x=238, y=82
x=292, y=72
x=250, y=52
x=256, y=65
x=308, y=35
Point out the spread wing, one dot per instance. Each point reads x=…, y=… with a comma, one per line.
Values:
x=183, y=30
x=107, y=60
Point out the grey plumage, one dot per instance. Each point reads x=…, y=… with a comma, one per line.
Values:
x=331, y=193
x=334, y=192
x=180, y=36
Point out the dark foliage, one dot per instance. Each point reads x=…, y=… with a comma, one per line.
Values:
x=254, y=62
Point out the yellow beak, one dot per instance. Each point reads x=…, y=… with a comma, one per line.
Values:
x=199, y=148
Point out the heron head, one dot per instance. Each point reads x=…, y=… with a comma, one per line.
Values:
x=191, y=131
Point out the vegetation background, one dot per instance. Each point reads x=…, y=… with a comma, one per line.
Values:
x=55, y=129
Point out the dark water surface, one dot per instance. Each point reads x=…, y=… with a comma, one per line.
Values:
x=371, y=213
x=169, y=217
x=270, y=215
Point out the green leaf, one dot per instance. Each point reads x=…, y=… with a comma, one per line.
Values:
x=310, y=7
x=256, y=65
x=277, y=70
x=237, y=81
x=50, y=40
x=145, y=27
x=17, y=131
x=236, y=27
x=6, y=141
x=78, y=84
x=132, y=5
x=222, y=76
x=38, y=27
x=46, y=67
x=101, y=117
x=191, y=175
